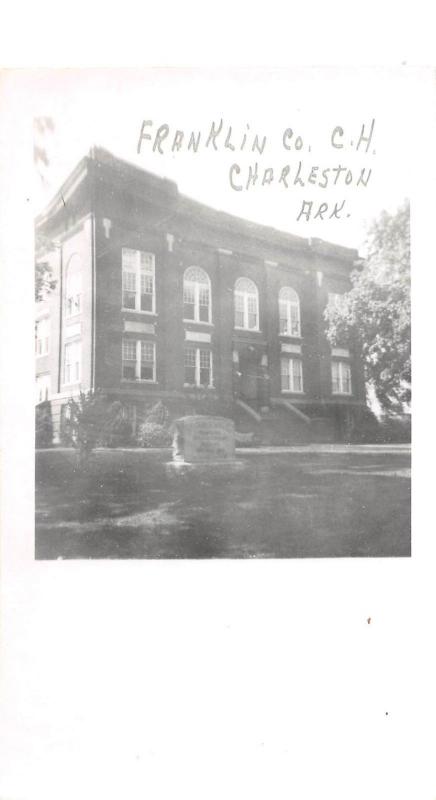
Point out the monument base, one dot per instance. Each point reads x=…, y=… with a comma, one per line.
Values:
x=178, y=468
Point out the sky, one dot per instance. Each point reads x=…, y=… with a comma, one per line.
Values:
x=108, y=107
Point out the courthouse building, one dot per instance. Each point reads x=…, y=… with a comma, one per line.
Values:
x=159, y=297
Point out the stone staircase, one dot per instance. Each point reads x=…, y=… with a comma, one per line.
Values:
x=279, y=424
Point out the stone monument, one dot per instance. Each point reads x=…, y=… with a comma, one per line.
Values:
x=204, y=441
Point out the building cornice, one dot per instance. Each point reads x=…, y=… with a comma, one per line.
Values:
x=182, y=210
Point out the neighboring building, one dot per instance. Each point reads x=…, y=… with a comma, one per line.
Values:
x=160, y=297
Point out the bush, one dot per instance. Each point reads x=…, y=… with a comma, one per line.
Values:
x=396, y=429
x=43, y=425
x=118, y=429
x=365, y=428
x=157, y=414
x=86, y=422
x=152, y=434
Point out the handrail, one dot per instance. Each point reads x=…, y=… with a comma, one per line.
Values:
x=245, y=407
x=281, y=401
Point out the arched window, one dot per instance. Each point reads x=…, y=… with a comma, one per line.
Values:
x=73, y=287
x=246, y=305
x=196, y=295
x=289, y=312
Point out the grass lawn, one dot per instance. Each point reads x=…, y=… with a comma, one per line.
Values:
x=281, y=505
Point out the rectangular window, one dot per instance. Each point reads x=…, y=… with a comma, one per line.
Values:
x=147, y=361
x=138, y=360
x=129, y=359
x=292, y=375
x=43, y=386
x=72, y=362
x=138, y=280
x=341, y=377
x=198, y=366
x=190, y=359
x=42, y=337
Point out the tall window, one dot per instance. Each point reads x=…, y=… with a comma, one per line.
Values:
x=43, y=385
x=138, y=280
x=139, y=360
x=42, y=337
x=289, y=312
x=196, y=295
x=341, y=377
x=246, y=305
x=73, y=287
x=198, y=366
x=292, y=375
x=72, y=362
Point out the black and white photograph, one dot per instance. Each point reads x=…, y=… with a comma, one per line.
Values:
x=217, y=565
x=222, y=331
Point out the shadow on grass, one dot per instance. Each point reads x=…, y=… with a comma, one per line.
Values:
x=280, y=506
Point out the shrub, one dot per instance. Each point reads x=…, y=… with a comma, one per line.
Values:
x=43, y=425
x=118, y=429
x=158, y=414
x=86, y=423
x=396, y=429
x=365, y=428
x=152, y=434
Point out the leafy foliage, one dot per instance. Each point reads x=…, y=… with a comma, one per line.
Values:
x=43, y=425
x=87, y=423
x=154, y=431
x=377, y=310
x=44, y=281
x=118, y=430
x=151, y=434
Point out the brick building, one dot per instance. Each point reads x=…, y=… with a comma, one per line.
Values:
x=160, y=297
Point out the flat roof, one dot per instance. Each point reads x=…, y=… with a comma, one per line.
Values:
x=185, y=205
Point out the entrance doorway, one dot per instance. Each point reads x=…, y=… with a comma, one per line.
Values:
x=253, y=381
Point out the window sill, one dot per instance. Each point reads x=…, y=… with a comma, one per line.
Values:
x=197, y=322
x=342, y=394
x=289, y=391
x=247, y=330
x=138, y=380
x=291, y=336
x=135, y=311
x=195, y=386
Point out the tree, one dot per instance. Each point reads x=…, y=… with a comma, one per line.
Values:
x=86, y=423
x=377, y=310
x=43, y=128
x=44, y=281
